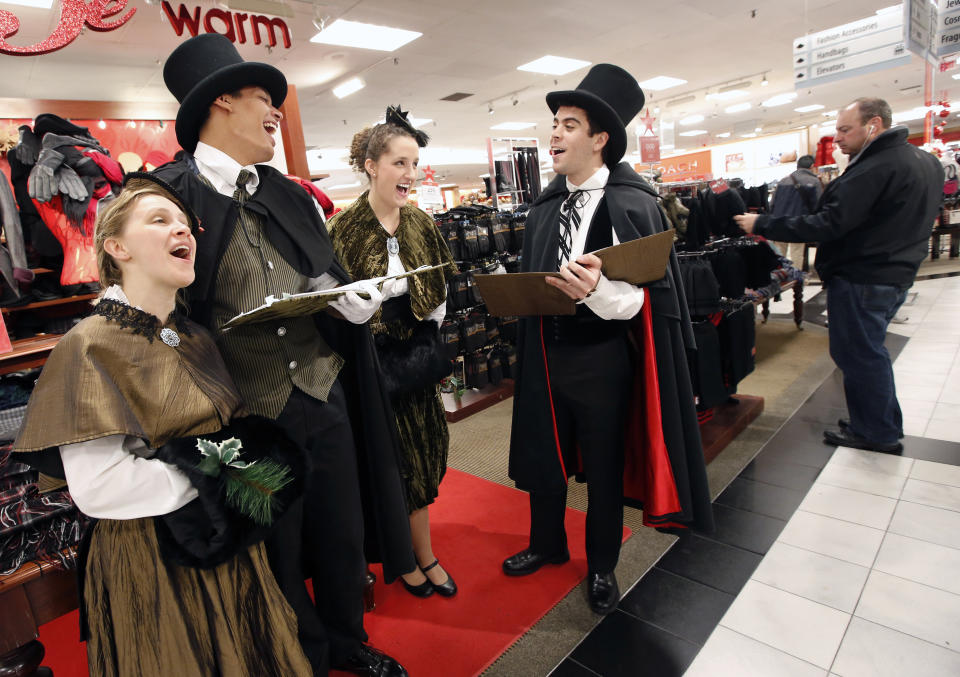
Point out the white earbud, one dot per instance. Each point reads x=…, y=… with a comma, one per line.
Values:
x=871, y=129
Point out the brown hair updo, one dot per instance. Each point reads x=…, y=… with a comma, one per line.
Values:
x=371, y=142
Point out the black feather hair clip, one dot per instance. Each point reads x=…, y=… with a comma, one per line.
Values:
x=395, y=116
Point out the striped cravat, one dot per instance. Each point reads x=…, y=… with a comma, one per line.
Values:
x=569, y=224
x=240, y=194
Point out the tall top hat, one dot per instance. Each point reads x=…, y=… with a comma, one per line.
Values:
x=612, y=97
x=203, y=68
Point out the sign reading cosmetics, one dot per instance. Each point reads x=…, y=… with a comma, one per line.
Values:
x=235, y=26
x=74, y=15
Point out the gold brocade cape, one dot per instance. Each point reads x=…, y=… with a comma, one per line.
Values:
x=360, y=243
x=113, y=375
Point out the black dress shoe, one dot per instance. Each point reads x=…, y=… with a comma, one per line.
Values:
x=527, y=561
x=424, y=589
x=448, y=588
x=845, y=438
x=603, y=592
x=373, y=663
x=845, y=426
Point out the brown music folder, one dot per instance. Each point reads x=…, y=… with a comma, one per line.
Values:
x=639, y=261
x=523, y=294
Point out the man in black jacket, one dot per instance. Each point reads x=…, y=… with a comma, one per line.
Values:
x=872, y=224
x=797, y=195
x=589, y=397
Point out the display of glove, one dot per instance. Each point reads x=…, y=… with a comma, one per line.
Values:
x=54, y=141
x=69, y=183
x=44, y=183
x=28, y=148
x=354, y=307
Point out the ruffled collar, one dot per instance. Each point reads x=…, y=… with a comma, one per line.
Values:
x=115, y=306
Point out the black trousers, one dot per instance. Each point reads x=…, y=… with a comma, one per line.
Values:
x=322, y=537
x=591, y=386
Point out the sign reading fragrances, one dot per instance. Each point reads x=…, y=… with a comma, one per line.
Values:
x=74, y=14
x=235, y=26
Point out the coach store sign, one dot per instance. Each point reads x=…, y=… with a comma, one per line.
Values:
x=74, y=15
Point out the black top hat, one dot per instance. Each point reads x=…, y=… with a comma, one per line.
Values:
x=134, y=180
x=612, y=97
x=203, y=68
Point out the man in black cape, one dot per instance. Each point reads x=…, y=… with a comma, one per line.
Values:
x=606, y=392
x=263, y=234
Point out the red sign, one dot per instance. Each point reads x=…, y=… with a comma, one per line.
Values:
x=649, y=149
x=231, y=25
x=73, y=15
x=429, y=177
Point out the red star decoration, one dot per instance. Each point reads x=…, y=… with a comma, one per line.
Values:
x=429, y=174
x=647, y=121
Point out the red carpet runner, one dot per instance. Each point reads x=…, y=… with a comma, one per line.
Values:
x=476, y=524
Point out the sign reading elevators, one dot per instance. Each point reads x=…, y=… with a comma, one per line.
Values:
x=852, y=49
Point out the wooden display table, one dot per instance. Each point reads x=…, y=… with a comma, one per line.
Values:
x=952, y=230
x=34, y=594
x=472, y=401
x=797, y=287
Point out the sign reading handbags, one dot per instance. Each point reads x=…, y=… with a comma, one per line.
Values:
x=74, y=14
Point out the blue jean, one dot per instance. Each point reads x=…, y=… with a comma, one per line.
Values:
x=859, y=315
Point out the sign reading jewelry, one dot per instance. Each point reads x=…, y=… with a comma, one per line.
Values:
x=74, y=14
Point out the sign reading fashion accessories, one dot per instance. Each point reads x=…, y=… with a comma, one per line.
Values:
x=74, y=15
x=852, y=49
x=932, y=29
x=235, y=26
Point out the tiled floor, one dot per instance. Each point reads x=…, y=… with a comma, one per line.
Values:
x=824, y=562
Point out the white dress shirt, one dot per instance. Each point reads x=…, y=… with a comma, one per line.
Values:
x=108, y=477
x=613, y=299
x=222, y=172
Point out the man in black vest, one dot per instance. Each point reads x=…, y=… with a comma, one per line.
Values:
x=576, y=405
x=262, y=234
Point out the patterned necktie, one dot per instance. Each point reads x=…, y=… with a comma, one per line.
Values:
x=240, y=194
x=569, y=224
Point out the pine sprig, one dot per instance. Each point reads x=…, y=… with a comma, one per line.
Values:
x=250, y=487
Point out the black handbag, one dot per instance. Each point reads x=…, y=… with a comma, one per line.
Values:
x=414, y=363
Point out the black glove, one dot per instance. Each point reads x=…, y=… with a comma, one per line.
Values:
x=54, y=141
x=28, y=148
x=43, y=183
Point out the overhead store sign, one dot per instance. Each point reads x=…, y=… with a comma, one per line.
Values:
x=932, y=28
x=74, y=15
x=235, y=26
x=687, y=167
x=852, y=49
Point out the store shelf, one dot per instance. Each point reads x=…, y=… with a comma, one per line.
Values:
x=473, y=401
x=28, y=353
x=51, y=302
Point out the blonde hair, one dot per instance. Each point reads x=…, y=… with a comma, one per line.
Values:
x=111, y=221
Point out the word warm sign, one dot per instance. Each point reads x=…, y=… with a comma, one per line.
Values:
x=232, y=25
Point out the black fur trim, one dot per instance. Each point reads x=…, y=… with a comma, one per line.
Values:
x=415, y=363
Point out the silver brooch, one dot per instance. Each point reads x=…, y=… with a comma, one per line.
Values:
x=393, y=246
x=169, y=336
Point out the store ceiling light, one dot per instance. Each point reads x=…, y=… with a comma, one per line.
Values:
x=737, y=107
x=514, y=126
x=690, y=120
x=831, y=113
x=349, y=87
x=364, y=36
x=693, y=132
x=809, y=109
x=727, y=95
x=723, y=135
x=956, y=76
x=660, y=83
x=779, y=100
x=680, y=101
x=917, y=113
x=735, y=87
x=553, y=65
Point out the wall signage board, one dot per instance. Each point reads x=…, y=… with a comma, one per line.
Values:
x=695, y=166
x=932, y=29
x=849, y=50
x=649, y=149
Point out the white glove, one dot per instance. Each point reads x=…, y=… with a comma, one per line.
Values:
x=353, y=307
